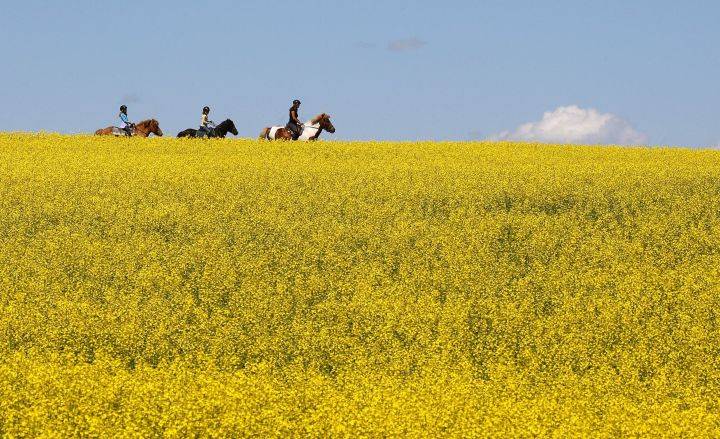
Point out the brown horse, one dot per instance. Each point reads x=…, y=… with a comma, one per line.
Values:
x=142, y=129
x=311, y=130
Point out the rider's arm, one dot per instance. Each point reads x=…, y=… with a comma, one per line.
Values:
x=124, y=118
x=295, y=117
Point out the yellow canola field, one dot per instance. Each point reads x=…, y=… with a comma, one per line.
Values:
x=166, y=287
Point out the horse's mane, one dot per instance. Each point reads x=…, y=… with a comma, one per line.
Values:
x=148, y=122
x=318, y=118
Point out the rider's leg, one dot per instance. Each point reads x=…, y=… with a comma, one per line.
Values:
x=295, y=129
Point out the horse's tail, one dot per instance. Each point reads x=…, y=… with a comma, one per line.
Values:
x=265, y=134
x=98, y=132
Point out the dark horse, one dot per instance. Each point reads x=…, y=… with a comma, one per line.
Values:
x=220, y=130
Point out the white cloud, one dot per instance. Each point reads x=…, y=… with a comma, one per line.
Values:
x=406, y=44
x=573, y=124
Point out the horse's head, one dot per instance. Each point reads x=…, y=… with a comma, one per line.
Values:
x=231, y=127
x=154, y=127
x=326, y=124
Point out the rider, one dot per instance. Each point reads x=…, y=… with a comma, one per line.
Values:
x=127, y=125
x=206, y=125
x=294, y=124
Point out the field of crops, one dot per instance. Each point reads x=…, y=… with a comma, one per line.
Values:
x=179, y=287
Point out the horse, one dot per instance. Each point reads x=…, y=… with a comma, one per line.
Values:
x=311, y=130
x=221, y=130
x=142, y=129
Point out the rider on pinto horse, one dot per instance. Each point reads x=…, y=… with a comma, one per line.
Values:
x=127, y=126
x=294, y=125
x=206, y=125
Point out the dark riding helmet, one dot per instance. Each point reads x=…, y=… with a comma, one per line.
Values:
x=296, y=102
x=123, y=108
x=206, y=110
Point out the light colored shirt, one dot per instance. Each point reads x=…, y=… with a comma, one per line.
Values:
x=124, y=118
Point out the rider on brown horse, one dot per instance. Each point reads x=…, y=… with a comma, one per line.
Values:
x=294, y=125
x=127, y=125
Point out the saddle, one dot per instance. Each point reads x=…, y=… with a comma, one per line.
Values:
x=117, y=131
x=296, y=130
x=209, y=133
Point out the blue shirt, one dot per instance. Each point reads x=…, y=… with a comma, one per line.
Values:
x=124, y=118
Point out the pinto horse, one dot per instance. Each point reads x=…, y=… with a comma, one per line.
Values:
x=221, y=130
x=311, y=130
x=142, y=129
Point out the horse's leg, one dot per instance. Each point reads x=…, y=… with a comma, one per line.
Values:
x=316, y=136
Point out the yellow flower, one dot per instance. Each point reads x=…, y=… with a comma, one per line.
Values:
x=155, y=287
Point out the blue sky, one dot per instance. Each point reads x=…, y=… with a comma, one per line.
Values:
x=384, y=70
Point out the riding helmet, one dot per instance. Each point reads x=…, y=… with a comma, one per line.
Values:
x=206, y=110
x=296, y=102
x=123, y=108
